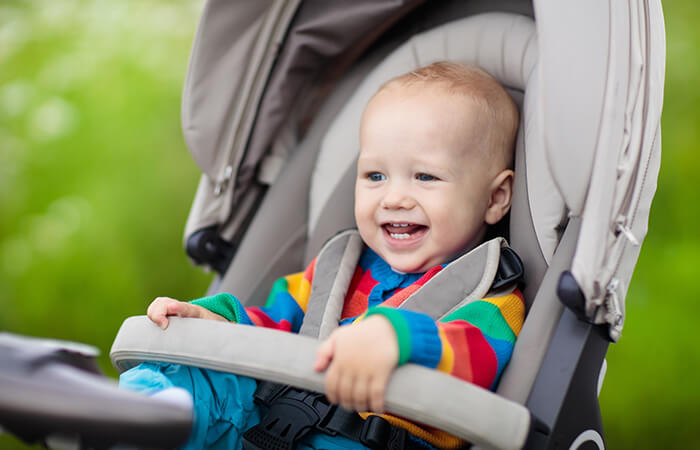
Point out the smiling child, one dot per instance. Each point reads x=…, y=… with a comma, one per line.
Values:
x=434, y=172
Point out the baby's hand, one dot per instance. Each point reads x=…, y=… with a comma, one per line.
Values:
x=162, y=307
x=360, y=359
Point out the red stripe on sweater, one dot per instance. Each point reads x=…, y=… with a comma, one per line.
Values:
x=366, y=281
x=309, y=272
x=481, y=355
x=260, y=319
x=402, y=294
x=358, y=293
x=519, y=294
x=461, y=367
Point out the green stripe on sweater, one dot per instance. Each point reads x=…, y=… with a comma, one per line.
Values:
x=222, y=304
x=403, y=335
x=487, y=317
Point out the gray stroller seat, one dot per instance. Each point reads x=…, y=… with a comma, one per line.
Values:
x=574, y=148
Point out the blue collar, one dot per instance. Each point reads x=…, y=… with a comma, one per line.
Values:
x=388, y=279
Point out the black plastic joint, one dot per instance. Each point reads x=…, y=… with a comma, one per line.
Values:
x=538, y=435
x=571, y=295
x=376, y=432
x=207, y=247
x=510, y=269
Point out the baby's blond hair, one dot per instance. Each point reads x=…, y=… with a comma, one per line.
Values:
x=501, y=113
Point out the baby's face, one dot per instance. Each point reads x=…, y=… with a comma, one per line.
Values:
x=421, y=192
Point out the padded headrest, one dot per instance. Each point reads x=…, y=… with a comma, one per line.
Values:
x=504, y=45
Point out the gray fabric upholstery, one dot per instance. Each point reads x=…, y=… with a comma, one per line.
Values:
x=333, y=272
x=522, y=230
x=600, y=143
x=502, y=44
x=467, y=278
x=278, y=239
x=531, y=346
x=229, y=120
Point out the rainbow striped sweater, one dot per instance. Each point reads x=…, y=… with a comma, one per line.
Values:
x=473, y=343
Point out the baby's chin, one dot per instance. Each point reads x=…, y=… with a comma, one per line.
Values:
x=406, y=265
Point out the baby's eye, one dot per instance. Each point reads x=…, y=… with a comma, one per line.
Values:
x=425, y=177
x=376, y=176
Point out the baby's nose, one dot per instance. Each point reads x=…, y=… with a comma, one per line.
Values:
x=397, y=199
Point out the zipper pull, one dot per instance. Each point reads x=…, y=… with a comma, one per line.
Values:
x=221, y=185
x=622, y=228
x=612, y=303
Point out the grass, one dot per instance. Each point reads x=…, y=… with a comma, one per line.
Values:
x=96, y=183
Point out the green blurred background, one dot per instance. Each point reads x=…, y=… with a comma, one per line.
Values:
x=96, y=183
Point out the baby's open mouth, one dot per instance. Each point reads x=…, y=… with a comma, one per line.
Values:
x=403, y=230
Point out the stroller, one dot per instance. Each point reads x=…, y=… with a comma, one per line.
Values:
x=271, y=109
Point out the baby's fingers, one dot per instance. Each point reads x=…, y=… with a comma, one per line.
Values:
x=332, y=384
x=324, y=354
x=346, y=387
x=184, y=309
x=377, y=388
x=158, y=310
x=360, y=395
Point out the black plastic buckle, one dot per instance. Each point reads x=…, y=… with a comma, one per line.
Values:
x=289, y=418
x=267, y=392
x=376, y=433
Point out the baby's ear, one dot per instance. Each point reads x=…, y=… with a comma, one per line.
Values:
x=501, y=195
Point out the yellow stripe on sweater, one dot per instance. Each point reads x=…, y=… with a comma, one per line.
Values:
x=433, y=436
x=447, y=359
x=299, y=288
x=512, y=310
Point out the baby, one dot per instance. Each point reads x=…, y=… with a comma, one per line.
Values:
x=434, y=171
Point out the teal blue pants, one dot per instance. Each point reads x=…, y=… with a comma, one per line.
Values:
x=223, y=405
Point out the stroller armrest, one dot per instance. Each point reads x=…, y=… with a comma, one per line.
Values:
x=442, y=401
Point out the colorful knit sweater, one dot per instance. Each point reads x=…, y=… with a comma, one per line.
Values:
x=473, y=343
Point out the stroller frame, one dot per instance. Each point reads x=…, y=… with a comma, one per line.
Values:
x=238, y=140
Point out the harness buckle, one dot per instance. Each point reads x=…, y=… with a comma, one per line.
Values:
x=376, y=433
x=295, y=412
x=289, y=418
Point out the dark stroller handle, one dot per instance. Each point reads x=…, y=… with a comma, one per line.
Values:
x=48, y=389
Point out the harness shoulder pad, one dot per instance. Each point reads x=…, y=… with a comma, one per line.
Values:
x=335, y=266
x=491, y=267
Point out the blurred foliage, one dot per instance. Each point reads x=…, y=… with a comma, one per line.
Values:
x=95, y=179
x=649, y=399
x=96, y=183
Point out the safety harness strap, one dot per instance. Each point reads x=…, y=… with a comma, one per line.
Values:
x=490, y=267
x=293, y=413
x=335, y=265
